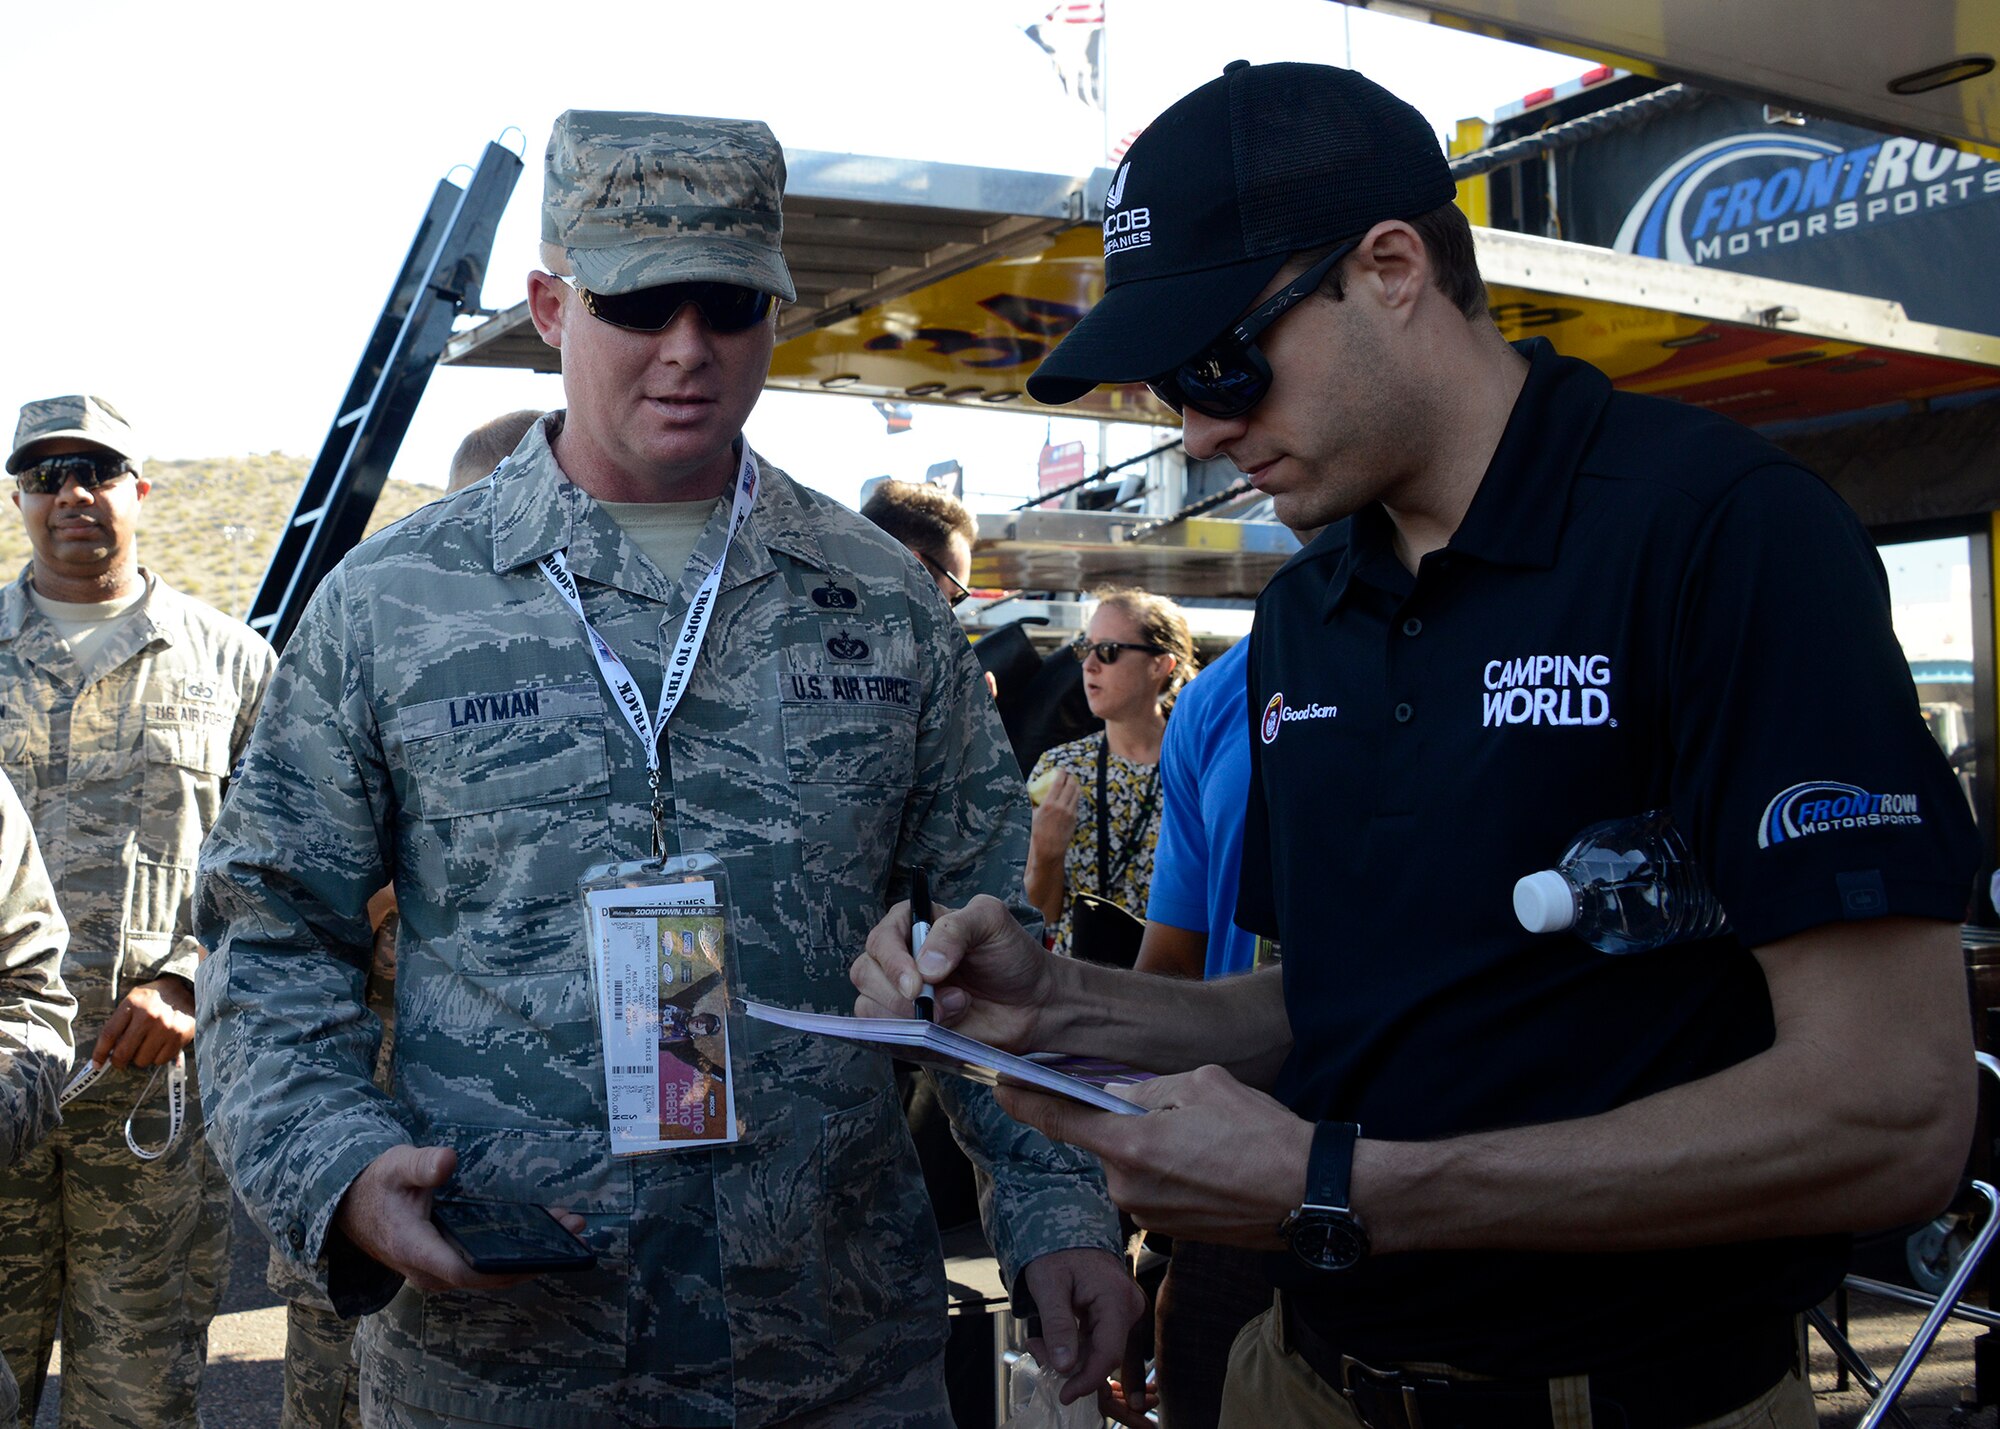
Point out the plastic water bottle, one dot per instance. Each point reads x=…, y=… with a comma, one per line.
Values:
x=1626, y=886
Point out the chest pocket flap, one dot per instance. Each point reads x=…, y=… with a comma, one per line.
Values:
x=14, y=736
x=505, y=751
x=197, y=743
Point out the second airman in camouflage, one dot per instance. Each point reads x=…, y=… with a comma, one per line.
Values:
x=122, y=705
x=439, y=720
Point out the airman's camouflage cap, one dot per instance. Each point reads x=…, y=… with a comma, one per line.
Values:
x=91, y=419
x=636, y=200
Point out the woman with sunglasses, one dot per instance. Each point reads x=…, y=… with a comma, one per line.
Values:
x=1098, y=811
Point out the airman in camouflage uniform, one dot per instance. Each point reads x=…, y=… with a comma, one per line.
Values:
x=438, y=720
x=36, y=1009
x=320, y=1387
x=122, y=706
x=321, y=1390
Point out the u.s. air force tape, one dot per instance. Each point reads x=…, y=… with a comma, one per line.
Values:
x=176, y=1073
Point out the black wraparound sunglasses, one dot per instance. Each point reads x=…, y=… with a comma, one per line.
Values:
x=89, y=470
x=1106, y=651
x=725, y=307
x=1230, y=376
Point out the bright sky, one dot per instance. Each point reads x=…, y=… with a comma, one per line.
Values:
x=209, y=200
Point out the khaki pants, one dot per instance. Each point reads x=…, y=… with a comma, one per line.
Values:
x=1269, y=1387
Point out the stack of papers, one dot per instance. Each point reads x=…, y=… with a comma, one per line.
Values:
x=1082, y=1079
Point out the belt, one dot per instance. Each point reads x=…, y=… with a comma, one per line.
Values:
x=1399, y=1398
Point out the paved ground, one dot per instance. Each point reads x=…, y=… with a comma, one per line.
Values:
x=1880, y=1331
x=246, y=1349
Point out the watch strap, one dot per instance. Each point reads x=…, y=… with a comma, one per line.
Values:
x=1330, y=1166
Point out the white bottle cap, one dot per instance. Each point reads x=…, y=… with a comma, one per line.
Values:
x=1544, y=902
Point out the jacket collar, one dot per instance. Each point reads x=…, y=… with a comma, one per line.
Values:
x=35, y=640
x=537, y=509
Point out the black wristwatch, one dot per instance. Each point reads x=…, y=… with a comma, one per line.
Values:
x=1324, y=1232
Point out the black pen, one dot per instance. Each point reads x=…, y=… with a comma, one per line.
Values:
x=920, y=929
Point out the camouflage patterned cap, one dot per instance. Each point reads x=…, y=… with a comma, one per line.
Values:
x=90, y=419
x=636, y=200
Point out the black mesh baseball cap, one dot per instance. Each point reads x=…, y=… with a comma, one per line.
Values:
x=1219, y=191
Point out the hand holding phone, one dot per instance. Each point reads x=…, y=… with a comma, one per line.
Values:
x=507, y=1238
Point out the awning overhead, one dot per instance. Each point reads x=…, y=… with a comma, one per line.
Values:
x=1756, y=349
x=1836, y=58
x=935, y=283
x=859, y=232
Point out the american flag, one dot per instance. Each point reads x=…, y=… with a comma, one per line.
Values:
x=1071, y=34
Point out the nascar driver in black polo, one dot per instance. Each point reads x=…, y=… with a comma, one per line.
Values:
x=1511, y=1180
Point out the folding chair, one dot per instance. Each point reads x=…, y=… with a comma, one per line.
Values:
x=1941, y=1307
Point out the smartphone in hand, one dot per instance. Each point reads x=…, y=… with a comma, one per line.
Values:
x=506, y=1238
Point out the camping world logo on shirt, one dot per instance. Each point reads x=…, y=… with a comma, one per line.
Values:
x=1547, y=689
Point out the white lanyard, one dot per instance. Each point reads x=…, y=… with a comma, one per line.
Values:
x=176, y=1071
x=680, y=664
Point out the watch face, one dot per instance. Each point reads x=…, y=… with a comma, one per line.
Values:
x=1328, y=1240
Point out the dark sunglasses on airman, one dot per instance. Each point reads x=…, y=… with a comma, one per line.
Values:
x=1106, y=651
x=1230, y=376
x=725, y=307
x=89, y=470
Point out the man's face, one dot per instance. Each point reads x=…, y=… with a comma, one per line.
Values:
x=78, y=534
x=660, y=410
x=1339, y=427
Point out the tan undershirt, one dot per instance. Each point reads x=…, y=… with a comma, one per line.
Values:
x=665, y=530
x=86, y=624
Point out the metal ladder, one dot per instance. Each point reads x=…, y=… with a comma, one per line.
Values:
x=440, y=279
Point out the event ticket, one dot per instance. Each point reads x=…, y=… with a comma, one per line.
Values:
x=662, y=1004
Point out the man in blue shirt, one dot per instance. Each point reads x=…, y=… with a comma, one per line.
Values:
x=1204, y=784
x=1211, y=1291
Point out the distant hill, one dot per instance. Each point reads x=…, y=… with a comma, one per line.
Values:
x=209, y=526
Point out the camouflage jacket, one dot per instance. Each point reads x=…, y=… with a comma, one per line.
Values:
x=835, y=733
x=36, y=1010
x=121, y=764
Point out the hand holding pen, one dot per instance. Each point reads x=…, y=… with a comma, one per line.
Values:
x=920, y=929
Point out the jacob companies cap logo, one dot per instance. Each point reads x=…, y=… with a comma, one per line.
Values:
x=1127, y=228
x=1115, y=195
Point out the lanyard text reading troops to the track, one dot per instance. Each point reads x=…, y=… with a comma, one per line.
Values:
x=176, y=1074
x=680, y=663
